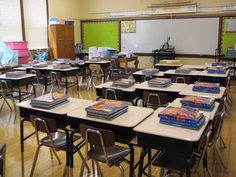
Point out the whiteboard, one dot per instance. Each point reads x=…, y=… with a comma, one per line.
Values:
x=188, y=36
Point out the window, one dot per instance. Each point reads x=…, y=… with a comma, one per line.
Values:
x=10, y=20
x=35, y=15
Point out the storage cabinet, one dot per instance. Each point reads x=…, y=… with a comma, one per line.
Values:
x=61, y=41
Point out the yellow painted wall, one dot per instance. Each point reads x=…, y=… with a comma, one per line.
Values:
x=91, y=9
x=67, y=10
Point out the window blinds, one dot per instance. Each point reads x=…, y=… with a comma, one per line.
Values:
x=35, y=15
x=10, y=20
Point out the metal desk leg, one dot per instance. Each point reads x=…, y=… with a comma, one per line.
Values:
x=131, y=165
x=19, y=94
x=66, y=85
x=22, y=147
x=67, y=152
x=34, y=90
x=141, y=159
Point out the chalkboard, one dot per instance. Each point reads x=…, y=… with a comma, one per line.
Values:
x=101, y=34
x=188, y=36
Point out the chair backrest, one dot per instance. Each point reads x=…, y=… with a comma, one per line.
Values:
x=4, y=89
x=148, y=77
x=216, y=126
x=202, y=147
x=95, y=67
x=2, y=159
x=37, y=73
x=44, y=125
x=155, y=100
x=181, y=79
x=96, y=136
x=55, y=75
x=110, y=94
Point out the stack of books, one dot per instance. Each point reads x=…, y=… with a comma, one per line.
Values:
x=206, y=87
x=14, y=74
x=49, y=101
x=61, y=66
x=40, y=65
x=124, y=83
x=216, y=70
x=182, y=70
x=159, y=82
x=182, y=117
x=150, y=71
x=223, y=64
x=107, y=109
x=197, y=102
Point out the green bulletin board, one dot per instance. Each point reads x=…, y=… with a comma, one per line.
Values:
x=101, y=34
x=228, y=39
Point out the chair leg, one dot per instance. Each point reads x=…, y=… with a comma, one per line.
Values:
x=99, y=169
x=122, y=172
x=35, y=160
x=86, y=165
x=50, y=149
x=222, y=142
x=220, y=157
x=82, y=168
x=55, y=153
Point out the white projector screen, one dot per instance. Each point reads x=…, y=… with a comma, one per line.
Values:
x=188, y=36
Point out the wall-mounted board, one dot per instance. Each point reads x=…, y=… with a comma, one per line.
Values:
x=228, y=39
x=188, y=36
x=101, y=34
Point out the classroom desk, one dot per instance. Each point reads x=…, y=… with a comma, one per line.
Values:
x=165, y=67
x=126, y=60
x=154, y=135
x=122, y=126
x=58, y=113
x=172, y=91
x=125, y=94
x=20, y=68
x=193, y=74
x=187, y=91
x=215, y=78
x=18, y=82
x=139, y=76
x=72, y=71
x=105, y=66
x=210, y=114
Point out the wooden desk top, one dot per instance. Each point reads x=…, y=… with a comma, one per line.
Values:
x=175, y=87
x=204, y=73
x=3, y=76
x=129, y=119
x=192, y=73
x=174, y=65
x=64, y=108
x=152, y=126
x=109, y=85
x=211, y=114
x=188, y=91
x=97, y=62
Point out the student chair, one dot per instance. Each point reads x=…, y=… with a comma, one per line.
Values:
x=5, y=94
x=57, y=83
x=183, y=164
x=96, y=72
x=2, y=159
x=216, y=135
x=148, y=77
x=102, y=148
x=155, y=100
x=54, y=139
x=181, y=79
